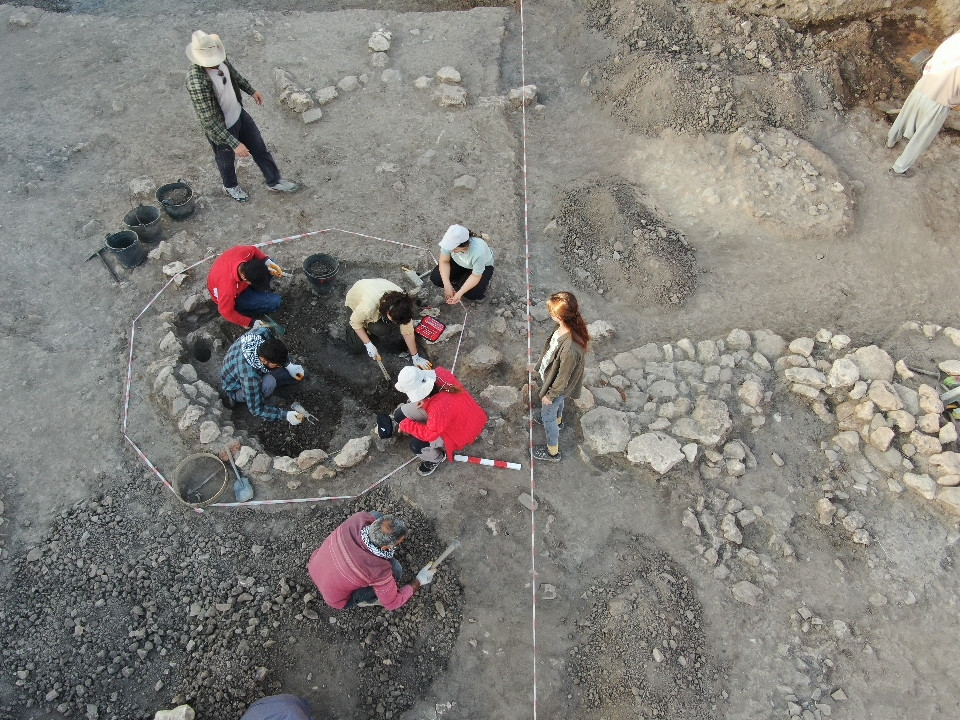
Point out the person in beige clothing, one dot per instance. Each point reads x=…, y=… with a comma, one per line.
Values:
x=928, y=105
x=376, y=304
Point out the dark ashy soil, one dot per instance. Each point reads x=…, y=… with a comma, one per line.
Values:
x=640, y=645
x=612, y=243
x=344, y=390
x=213, y=610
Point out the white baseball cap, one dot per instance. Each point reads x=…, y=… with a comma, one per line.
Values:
x=454, y=236
x=416, y=383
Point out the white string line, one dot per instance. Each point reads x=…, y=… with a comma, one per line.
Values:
x=125, y=412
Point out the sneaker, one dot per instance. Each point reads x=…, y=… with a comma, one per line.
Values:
x=908, y=173
x=236, y=193
x=285, y=186
x=538, y=419
x=540, y=452
x=427, y=468
x=369, y=603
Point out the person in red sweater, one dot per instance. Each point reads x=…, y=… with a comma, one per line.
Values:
x=355, y=566
x=441, y=416
x=239, y=283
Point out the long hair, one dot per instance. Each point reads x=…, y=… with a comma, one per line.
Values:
x=564, y=305
x=397, y=305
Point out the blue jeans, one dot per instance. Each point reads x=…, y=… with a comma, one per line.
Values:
x=368, y=594
x=258, y=302
x=268, y=383
x=549, y=415
x=246, y=131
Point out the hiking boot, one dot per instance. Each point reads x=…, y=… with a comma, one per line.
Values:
x=540, y=452
x=284, y=186
x=236, y=193
x=908, y=173
x=538, y=419
x=427, y=468
x=369, y=603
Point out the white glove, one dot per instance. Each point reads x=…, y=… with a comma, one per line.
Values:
x=425, y=576
x=296, y=371
x=371, y=349
x=274, y=269
x=421, y=363
x=258, y=324
x=294, y=418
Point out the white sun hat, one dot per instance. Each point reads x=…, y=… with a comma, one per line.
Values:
x=454, y=236
x=206, y=50
x=416, y=383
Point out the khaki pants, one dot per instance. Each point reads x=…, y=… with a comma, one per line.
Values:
x=919, y=121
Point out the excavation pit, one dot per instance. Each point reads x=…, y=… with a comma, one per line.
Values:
x=342, y=389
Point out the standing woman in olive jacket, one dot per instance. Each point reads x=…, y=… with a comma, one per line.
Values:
x=560, y=369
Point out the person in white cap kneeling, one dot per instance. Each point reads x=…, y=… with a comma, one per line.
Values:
x=214, y=86
x=465, y=266
x=441, y=416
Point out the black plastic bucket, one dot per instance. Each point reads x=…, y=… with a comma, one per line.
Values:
x=127, y=246
x=177, y=200
x=321, y=269
x=144, y=220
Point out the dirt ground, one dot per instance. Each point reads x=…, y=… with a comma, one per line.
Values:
x=117, y=601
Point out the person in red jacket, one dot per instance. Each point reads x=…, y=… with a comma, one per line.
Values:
x=355, y=566
x=239, y=283
x=441, y=416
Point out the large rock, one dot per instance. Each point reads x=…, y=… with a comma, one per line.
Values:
x=923, y=484
x=353, y=452
x=751, y=392
x=769, y=344
x=929, y=400
x=181, y=712
x=945, y=463
x=843, y=374
x=522, y=96
x=806, y=376
x=380, y=40
x=450, y=96
x=483, y=357
x=449, y=75
x=287, y=464
x=657, y=449
x=885, y=396
x=606, y=430
x=746, y=592
x=500, y=397
x=708, y=425
x=738, y=340
x=873, y=363
x=949, y=498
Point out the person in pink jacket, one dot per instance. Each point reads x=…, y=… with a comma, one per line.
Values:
x=355, y=567
x=441, y=416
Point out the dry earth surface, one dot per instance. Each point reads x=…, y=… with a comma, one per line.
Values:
x=692, y=169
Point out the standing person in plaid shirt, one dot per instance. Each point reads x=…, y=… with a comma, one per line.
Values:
x=214, y=86
x=253, y=368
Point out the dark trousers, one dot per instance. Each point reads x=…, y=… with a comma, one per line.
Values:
x=368, y=594
x=458, y=276
x=258, y=302
x=246, y=131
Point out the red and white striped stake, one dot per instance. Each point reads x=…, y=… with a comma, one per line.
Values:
x=487, y=461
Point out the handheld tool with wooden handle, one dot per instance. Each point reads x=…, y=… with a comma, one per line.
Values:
x=443, y=556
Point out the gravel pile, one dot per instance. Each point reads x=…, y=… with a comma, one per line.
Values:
x=640, y=648
x=610, y=242
x=123, y=611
